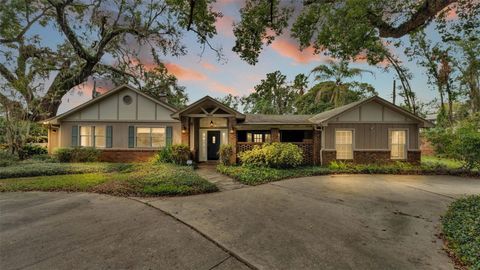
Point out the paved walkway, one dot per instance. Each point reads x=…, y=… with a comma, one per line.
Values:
x=223, y=182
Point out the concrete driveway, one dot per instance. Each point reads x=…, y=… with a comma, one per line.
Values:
x=325, y=222
x=330, y=222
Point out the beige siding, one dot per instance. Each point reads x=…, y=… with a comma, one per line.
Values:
x=371, y=136
x=120, y=131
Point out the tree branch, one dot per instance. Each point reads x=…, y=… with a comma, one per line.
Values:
x=25, y=29
x=7, y=74
x=190, y=17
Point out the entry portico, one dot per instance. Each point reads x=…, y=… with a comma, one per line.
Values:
x=207, y=124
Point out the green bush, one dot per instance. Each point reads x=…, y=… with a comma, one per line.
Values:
x=30, y=150
x=164, y=155
x=78, y=154
x=7, y=159
x=461, y=228
x=225, y=153
x=274, y=155
x=180, y=154
x=254, y=157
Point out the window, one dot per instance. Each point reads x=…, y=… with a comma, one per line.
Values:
x=150, y=137
x=86, y=136
x=344, y=144
x=92, y=136
x=258, y=137
x=100, y=136
x=398, y=144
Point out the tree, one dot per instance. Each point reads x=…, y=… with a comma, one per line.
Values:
x=300, y=83
x=437, y=64
x=312, y=102
x=272, y=96
x=89, y=35
x=231, y=101
x=338, y=71
x=342, y=28
x=469, y=67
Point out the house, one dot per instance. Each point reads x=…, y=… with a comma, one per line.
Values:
x=129, y=125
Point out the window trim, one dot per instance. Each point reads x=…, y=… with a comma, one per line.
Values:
x=259, y=132
x=407, y=141
x=93, y=129
x=335, y=142
x=150, y=127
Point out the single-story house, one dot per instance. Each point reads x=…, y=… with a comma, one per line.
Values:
x=129, y=125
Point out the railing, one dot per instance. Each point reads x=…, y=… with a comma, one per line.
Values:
x=307, y=148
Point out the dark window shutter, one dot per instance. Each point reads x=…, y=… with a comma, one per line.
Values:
x=74, y=136
x=131, y=136
x=169, y=137
x=109, y=136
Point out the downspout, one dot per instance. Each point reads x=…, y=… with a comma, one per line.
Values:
x=321, y=143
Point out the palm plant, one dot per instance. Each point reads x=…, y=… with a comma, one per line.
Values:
x=338, y=71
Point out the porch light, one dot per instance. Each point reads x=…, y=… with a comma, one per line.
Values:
x=212, y=124
x=232, y=130
x=184, y=129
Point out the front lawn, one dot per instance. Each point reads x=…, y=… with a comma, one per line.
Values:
x=461, y=230
x=142, y=179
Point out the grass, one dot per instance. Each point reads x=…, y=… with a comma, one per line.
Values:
x=251, y=175
x=29, y=168
x=447, y=162
x=142, y=179
x=461, y=230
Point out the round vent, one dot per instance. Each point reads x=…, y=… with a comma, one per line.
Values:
x=127, y=99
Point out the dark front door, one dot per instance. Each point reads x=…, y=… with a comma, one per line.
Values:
x=213, y=144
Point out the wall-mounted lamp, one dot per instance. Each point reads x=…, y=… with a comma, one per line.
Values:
x=184, y=129
x=212, y=124
x=232, y=130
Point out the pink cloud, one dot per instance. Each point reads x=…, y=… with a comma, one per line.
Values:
x=218, y=87
x=184, y=73
x=224, y=26
x=288, y=48
x=209, y=66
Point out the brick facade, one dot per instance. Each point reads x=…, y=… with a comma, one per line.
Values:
x=328, y=156
x=414, y=156
x=366, y=157
x=127, y=155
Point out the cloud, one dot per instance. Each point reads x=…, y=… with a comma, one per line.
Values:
x=184, y=73
x=224, y=26
x=288, y=48
x=221, y=88
x=209, y=66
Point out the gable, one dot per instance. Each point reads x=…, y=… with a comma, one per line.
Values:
x=208, y=107
x=373, y=112
x=125, y=104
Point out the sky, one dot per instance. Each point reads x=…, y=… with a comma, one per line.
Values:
x=202, y=74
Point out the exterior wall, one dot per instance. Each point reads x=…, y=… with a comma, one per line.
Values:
x=373, y=112
x=373, y=136
x=53, y=139
x=371, y=157
x=120, y=131
x=113, y=108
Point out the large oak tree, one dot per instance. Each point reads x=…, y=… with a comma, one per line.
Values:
x=47, y=47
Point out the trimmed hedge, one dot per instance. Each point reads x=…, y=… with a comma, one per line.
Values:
x=461, y=229
x=78, y=154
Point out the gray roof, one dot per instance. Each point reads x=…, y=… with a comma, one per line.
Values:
x=276, y=119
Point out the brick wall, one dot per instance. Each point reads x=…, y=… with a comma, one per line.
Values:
x=414, y=156
x=366, y=157
x=127, y=155
x=328, y=156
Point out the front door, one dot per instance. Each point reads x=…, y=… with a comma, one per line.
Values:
x=213, y=144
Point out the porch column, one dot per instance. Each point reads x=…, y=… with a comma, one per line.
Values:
x=317, y=145
x=275, y=134
x=232, y=138
x=185, y=129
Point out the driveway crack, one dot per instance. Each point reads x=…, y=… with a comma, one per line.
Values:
x=218, y=244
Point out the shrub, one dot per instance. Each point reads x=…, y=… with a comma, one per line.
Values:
x=461, y=228
x=337, y=165
x=254, y=157
x=30, y=150
x=7, y=159
x=180, y=154
x=282, y=155
x=225, y=153
x=274, y=155
x=78, y=154
x=164, y=155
